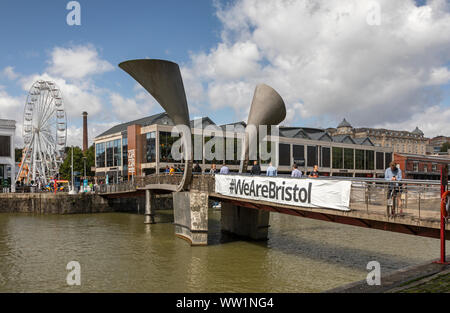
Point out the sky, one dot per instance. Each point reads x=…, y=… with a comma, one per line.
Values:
x=377, y=63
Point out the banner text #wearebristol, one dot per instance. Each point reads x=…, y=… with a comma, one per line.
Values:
x=309, y=193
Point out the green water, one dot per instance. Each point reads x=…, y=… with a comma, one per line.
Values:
x=118, y=253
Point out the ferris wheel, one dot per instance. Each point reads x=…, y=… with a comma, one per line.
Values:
x=44, y=133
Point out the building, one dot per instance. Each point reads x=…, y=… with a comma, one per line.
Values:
x=144, y=146
x=435, y=144
x=400, y=141
x=7, y=153
x=425, y=167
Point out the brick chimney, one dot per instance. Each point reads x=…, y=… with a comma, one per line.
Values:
x=85, y=132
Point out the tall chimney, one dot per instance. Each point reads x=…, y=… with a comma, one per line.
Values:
x=85, y=132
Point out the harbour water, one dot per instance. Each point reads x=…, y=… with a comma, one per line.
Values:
x=118, y=253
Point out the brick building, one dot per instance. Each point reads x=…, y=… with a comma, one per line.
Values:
x=415, y=166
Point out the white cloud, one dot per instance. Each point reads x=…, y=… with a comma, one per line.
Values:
x=77, y=62
x=326, y=61
x=9, y=73
x=128, y=109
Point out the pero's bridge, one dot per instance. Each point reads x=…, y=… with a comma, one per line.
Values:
x=419, y=204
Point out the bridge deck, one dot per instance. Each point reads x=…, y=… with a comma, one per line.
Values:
x=419, y=203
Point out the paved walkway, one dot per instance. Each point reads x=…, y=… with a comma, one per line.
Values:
x=404, y=280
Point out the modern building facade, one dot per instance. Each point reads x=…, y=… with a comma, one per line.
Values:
x=420, y=166
x=7, y=154
x=144, y=146
x=400, y=141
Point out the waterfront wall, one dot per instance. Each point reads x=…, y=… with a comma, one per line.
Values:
x=47, y=203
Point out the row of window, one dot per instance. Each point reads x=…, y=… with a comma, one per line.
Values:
x=108, y=154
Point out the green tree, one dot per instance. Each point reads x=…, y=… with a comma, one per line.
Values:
x=445, y=146
x=78, y=162
x=18, y=155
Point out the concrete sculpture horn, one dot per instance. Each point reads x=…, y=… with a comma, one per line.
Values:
x=267, y=108
x=162, y=79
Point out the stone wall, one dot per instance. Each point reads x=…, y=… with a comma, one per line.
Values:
x=48, y=203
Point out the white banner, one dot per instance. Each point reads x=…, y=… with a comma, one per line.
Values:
x=309, y=193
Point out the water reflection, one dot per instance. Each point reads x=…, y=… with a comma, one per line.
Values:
x=117, y=252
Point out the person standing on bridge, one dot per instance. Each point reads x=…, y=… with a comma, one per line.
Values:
x=197, y=169
x=296, y=172
x=256, y=169
x=224, y=170
x=271, y=170
x=315, y=172
x=392, y=174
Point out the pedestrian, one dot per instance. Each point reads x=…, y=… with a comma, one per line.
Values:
x=213, y=169
x=167, y=170
x=271, y=171
x=392, y=174
x=197, y=169
x=315, y=172
x=224, y=170
x=172, y=170
x=256, y=169
x=296, y=172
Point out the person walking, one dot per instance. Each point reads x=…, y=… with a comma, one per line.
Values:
x=296, y=172
x=393, y=174
x=256, y=169
x=271, y=171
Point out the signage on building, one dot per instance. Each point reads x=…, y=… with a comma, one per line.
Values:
x=132, y=161
x=307, y=193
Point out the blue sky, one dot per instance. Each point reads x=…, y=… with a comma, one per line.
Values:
x=323, y=57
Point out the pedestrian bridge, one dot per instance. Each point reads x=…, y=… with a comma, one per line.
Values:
x=418, y=211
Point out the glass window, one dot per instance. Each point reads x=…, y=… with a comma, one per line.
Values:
x=150, y=147
x=312, y=156
x=197, y=143
x=125, y=156
x=338, y=157
x=348, y=159
x=299, y=154
x=109, y=154
x=100, y=155
x=284, y=155
x=166, y=142
x=326, y=157
x=370, y=162
x=380, y=160
x=359, y=160
x=117, y=152
x=5, y=146
x=388, y=159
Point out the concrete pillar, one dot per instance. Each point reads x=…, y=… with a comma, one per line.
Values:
x=191, y=216
x=245, y=222
x=150, y=208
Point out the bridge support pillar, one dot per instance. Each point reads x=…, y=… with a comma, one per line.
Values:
x=150, y=208
x=245, y=222
x=191, y=216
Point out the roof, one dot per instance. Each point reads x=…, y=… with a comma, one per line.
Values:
x=161, y=119
x=363, y=141
x=343, y=139
x=344, y=123
x=417, y=131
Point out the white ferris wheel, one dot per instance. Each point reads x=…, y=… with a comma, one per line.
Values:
x=44, y=133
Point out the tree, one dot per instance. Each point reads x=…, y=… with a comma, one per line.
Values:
x=18, y=155
x=445, y=146
x=78, y=162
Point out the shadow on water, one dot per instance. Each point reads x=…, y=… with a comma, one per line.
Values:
x=331, y=248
